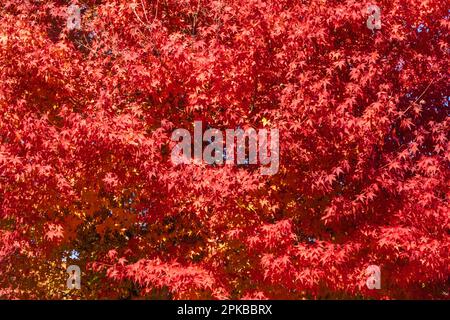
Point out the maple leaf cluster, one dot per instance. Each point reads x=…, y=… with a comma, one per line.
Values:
x=86, y=177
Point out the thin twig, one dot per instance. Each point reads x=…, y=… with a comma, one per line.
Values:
x=145, y=11
x=87, y=47
x=419, y=96
x=194, y=23
x=137, y=16
x=156, y=11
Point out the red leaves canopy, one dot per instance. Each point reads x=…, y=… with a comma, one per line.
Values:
x=85, y=172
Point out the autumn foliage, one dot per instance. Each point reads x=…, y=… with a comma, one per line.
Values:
x=85, y=170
